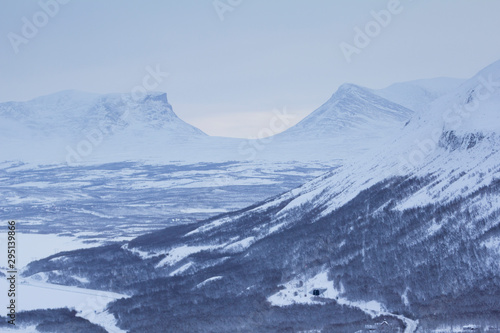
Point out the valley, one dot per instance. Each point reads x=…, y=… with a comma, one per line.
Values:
x=396, y=227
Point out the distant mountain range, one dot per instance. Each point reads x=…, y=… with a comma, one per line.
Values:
x=77, y=127
x=406, y=234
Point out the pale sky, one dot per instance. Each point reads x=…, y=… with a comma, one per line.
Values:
x=227, y=76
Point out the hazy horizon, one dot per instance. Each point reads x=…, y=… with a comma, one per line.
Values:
x=231, y=63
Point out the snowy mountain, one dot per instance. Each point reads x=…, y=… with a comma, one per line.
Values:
x=58, y=126
x=76, y=127
x=351, y=110
x=407, y=234
x=416, y=95
x=70, y=111
x=352, y=121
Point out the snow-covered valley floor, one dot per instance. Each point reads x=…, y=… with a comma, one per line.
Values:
x=115, y=201
x=61, y=208
x=90, y=304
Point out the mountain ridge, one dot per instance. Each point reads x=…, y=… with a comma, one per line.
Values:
x=342, y=108
x=80, y=127
x=417, y=243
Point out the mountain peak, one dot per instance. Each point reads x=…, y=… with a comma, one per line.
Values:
x=348, y=89
x=418, y=94
x=155, y=96
x=136, y=122
x=349, y=92
x=352, y=117
x=158, y=96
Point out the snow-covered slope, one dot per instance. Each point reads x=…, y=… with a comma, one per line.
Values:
x=77, y=125
x=350, y=111
x=409, y=231
x=418, y=94
x=69, y=112
x=353, y=121
x=456, y=134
